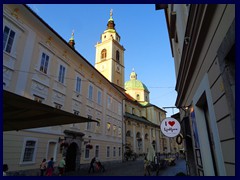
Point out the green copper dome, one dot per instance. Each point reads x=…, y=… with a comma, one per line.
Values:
x=134, y=83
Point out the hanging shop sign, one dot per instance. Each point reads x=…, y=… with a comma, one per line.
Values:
x=170, y=127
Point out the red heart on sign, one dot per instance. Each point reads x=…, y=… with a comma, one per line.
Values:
x=171, y=123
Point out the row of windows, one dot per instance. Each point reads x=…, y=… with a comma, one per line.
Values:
x=108, y=152
x=115, y=131
x=104, y=55
x=30, y=148
x=8, y=39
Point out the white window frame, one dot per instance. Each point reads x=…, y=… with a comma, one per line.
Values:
x=87, y=152
x=62, y=73
x=7, y=40
x=78, y=84
x=99, y=97
x=44, y=63
x=109, y=101
x=34, y=151
x=97, y=150
x=90, y=92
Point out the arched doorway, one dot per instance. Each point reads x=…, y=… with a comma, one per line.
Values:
x=71, y=157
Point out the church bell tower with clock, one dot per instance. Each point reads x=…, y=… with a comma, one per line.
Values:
x=110, y=55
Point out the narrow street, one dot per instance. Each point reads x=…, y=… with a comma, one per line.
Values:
x=132, y=168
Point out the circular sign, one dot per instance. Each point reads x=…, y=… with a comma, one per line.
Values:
x=170, y=127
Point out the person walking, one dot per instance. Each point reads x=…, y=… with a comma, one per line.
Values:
x=61, y=166
x=50, y=167
x=5, y=169
x=146, y=167
x=43, y=167
x=92, y=165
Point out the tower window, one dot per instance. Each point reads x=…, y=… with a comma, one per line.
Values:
x=103, y=54
x=138, y=97
x=117, y=56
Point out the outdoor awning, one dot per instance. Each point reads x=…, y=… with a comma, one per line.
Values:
x=23, y=113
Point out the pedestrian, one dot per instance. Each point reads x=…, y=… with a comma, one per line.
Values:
x=146, y=167
x=43, y=167
x=99, y=166
x=92, y=164
x=61, y=166
x=50, y=167
x=5, y=169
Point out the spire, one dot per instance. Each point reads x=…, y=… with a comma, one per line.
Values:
x=111, y=24
x=71, y=40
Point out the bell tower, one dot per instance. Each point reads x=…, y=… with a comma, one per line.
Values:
x=110, y=55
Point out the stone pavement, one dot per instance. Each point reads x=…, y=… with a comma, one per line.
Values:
x=132, y=168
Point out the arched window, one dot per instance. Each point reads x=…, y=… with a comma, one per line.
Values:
x=117, y=56
x=103, y=54
x=146, y=136
x=128, y=134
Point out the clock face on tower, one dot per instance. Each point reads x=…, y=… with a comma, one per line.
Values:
x=118, y=68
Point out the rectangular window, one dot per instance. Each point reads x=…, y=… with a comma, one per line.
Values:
x=87, y=152
x=90, y=92
x=78, y=84
x=88, y=125
x=44, y=63
x=29, y=151
x=109, y=100
x=8, y=38
x=97, y=151
x=114, y=151
x=99, y=97
x=108, y=151
x=61, y=75
x=119, y=151
x=119, y=108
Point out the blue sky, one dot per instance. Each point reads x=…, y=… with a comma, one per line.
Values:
x=143, y=34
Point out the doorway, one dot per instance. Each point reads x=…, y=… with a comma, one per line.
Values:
x=71, y=157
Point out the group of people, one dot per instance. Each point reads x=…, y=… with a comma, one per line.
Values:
x=99, y=165
x=47, y=168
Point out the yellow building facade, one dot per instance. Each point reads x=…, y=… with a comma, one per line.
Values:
x=40, y=65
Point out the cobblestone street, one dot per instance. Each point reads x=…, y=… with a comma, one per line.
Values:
x=132, y=168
